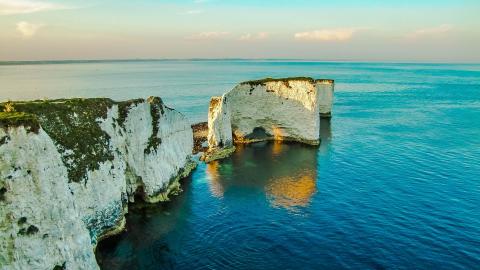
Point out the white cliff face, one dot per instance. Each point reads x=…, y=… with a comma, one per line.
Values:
x=283, y=109
x=154, y=171
x=40, y=225
x=150, y=151
x=325, y=97
x=219, y=124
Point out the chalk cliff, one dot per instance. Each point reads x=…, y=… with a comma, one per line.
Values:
x=68, y=169
x=271, y=109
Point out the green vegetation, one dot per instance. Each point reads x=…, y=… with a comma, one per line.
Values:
x=216, y=154
x=60, y=267
x=4, y=139
x=22, y=221
x=73, y=124
x=3, y=191
x=31, y=230
x=155, y=110
x=173, y=186
x=15, y=119
x=124, y=108
x=284, y=80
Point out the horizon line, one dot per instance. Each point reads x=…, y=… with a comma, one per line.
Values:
x=86, y=61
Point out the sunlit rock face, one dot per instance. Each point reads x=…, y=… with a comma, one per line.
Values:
x=68, y=169
x=219, y=123
x=271, y=109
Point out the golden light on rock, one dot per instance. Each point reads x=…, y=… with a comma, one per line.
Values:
x=278, y=133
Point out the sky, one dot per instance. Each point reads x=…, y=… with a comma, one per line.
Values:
x=335, y=30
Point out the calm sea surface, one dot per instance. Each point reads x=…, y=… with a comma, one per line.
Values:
x=394, y=185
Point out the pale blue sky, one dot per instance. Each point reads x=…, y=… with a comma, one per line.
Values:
x=368, y=30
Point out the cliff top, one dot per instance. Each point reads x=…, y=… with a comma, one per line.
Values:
x=285, y=80
x=15, y=119
x=73, y=125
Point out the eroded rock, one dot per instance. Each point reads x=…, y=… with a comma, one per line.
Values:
x=68, y=169
x=271, y=109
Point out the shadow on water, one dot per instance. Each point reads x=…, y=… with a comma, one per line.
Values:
x=143, y=244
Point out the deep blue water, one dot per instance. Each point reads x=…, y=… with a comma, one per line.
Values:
x=394, y=185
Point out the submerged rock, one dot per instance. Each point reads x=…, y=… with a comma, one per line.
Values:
x=68, y=169
x=217, y=153
x=271, y=109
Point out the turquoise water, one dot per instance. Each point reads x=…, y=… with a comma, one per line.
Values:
x=394, y=185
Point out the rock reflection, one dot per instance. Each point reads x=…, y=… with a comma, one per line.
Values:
x=325, y=135
x=213, y=174
x=290, y=192
x=285, y=172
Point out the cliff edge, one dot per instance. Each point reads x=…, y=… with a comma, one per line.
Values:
x=68, y=169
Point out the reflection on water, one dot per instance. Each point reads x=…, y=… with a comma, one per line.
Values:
x=285, y=172
x=294, y=191
x=325, y=135
x=215, y=186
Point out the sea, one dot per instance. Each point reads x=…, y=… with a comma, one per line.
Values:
x=395, y=183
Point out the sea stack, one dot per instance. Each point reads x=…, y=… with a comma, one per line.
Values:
x=69, y=168
x=287, y=109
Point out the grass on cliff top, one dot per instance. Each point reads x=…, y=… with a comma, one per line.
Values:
x=284, y=80
x=73, y=124
x=14, y=119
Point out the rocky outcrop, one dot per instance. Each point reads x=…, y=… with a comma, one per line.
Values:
x=200, y=133
x=271, y=109
x=68, y=169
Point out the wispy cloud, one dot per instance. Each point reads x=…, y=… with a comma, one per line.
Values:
x=258, y=36
x=10, y=7
x=208, y=35
x=340, y=34
x=28, y=30
x=193, y=12
x=430, y=32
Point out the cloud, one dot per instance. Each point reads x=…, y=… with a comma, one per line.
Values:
x=193, y=12
x=10, y=7
x=28, y=30
x=430, y=32
x=341, y=34
x=208, y=35
x=258, y=36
